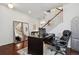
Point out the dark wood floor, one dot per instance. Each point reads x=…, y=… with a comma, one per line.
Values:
x=73, y=52
x=11, y=49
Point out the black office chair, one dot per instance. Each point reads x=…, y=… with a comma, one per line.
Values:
x=49, y=38
x=18, y=38
x=62, y=43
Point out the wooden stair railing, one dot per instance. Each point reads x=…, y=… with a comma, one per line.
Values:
x=53, y=17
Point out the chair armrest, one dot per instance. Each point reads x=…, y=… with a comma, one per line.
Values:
x=58, y=39
x=61, y=41
x=63, y=45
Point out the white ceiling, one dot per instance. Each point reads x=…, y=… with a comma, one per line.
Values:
x=37, y=9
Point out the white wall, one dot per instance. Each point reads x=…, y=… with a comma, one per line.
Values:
x=69, y=12
x=6, y=23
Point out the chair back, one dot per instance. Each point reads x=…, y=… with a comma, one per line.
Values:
x=66, y=36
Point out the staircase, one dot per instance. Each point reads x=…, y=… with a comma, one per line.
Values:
x=54, y=21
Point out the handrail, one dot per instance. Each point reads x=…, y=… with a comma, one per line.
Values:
x=53, y=17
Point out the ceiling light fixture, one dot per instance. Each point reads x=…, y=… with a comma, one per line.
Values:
x=10, y=5
x=60, y=7
x=42, y=22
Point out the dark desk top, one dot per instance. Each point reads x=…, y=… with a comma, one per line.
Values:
x=35, y=37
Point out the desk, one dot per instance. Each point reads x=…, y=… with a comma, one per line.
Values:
x=35, y=45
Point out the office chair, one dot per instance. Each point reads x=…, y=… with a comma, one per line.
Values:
x=18, y=38
x=49, y=38
x=42, y=32
x=62, y=43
